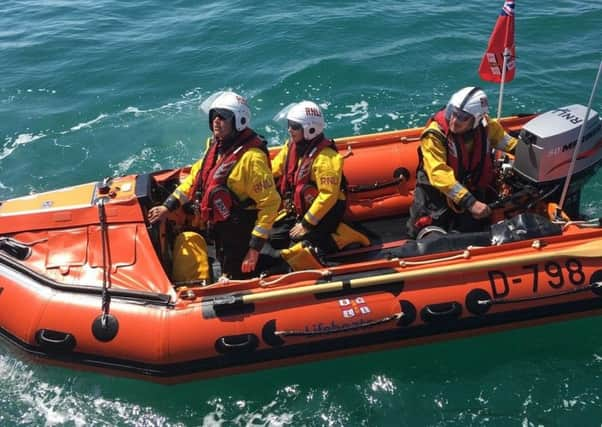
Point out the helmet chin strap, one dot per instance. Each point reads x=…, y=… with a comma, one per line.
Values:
x=466, y=132
x=314, y=139
x=228, y=140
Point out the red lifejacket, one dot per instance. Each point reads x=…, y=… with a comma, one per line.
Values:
x=209, y=187
x=297, y=174
x=474, y=170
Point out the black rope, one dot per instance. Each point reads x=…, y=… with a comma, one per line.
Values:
x=517, y=300
x=190, y=282
x=106, y=261
x=376, y=186
x=294, y=333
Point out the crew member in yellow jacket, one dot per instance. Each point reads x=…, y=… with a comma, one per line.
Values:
x=455, y=174
x=309, y=172
x=232, y=190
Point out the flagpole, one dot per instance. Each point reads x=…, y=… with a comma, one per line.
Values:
x=505, y=62
x=579, y=140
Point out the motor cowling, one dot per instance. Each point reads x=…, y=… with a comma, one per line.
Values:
x=545, y=150
x=546, y=144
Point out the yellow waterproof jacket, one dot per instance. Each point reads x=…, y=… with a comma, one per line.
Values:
x=434, y=158
x=250, y=178
x=326, y=174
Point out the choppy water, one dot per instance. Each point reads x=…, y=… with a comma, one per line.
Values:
x=96, y=88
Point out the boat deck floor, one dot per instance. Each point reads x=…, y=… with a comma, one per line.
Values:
x=389, y=238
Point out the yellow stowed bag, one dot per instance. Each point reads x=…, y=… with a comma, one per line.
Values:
x=345, y=235
x=554, y=212
x=190, y=260
x=300, y=257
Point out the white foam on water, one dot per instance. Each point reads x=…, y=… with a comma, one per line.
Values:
x=40, y=90
x=26, y=138
x=275, y=135
x=189, y=98
x=217, y=416
x=134, y=110
x=383, y=384
x=117, y=412
x=268, y=415
x=31, y=400
x=358, y=109
x=124, y=167
x=88, y=123
x=21, y=139
x=270, y=129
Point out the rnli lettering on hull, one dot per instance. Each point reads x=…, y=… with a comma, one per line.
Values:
x=334, y=326
x=352, y=309
x=567, y=115
x=555, y=275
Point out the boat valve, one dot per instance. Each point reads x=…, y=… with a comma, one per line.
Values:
x=104, y=186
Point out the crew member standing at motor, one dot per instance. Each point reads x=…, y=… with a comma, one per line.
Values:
x=232, y=189
x=309, y=172
x=455, y=173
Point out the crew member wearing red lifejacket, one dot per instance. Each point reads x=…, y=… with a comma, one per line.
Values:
x=232, y=188
x=455, y=174
x=309, y=172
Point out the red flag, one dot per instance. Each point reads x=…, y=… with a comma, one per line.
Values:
x=502, y=38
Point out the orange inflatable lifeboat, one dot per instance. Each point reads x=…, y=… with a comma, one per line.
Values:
x=85, y=282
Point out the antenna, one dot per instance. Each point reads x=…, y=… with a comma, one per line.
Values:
x=578, y=146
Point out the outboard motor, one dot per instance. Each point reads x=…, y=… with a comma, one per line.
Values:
x=545, y=150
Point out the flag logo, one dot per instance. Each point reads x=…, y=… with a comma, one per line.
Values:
x=501, y=44
x=508, y=8
x=354, y=307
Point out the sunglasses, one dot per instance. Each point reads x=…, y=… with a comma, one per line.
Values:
x=295, y=125
x=222, y=113
x=460, y=115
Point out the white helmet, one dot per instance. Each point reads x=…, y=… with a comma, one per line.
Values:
x=471, y=100
x=308, y=115
x=228, y=101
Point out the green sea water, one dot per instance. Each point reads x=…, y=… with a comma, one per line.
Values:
x=90, y=89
